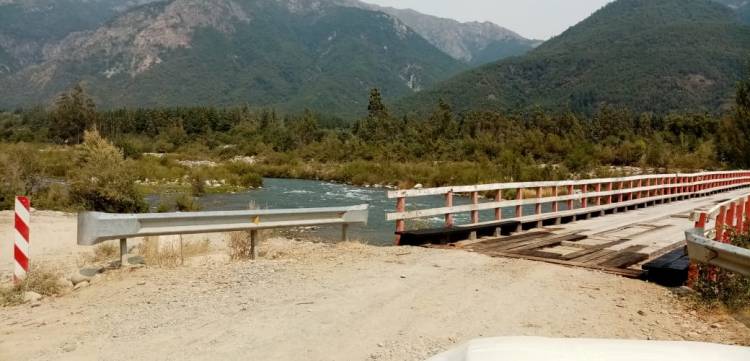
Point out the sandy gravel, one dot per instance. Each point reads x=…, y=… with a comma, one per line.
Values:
x=308, y=301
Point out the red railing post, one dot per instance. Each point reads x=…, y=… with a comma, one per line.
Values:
x=400, y=224
x=555, y=204
x=730, y=220
x=570, y=194
x=740, y=216
x=719, y=237
x=498, y=210
x=584, y=200
x=598, y=189
x=475, y=202
x=538, y=206
x=448, y=204
x=747, y=216
x=519, y=208
x=621, y=196
x=701, y=222
x=610, y=187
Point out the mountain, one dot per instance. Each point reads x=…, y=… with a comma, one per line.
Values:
x=290, y=54
x=648, y=55
x=742, y=7
x=27, y=26
x=472, y=42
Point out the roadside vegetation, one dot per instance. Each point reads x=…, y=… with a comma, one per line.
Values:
x=38, y=281
x=186, y=152
x=718, y=286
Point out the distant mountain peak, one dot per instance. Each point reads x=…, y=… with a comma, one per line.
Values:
x=471, y=42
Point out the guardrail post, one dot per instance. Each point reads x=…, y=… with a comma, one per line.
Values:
x=400, y=224
x=598, y=189
x=123, y=252
x=448, y=204
x=254, y=244
x=569, y=203
x=585, y=199
x=344, y=235
x=747, y=215
x=621, y=196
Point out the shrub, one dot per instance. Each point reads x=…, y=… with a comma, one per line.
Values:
x=715, y=285
x=239, y=246
x=39, y=280
x=103, y=180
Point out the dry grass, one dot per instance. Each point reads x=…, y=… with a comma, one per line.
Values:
x=171, y=253
x=39, y=280
x=239, y=246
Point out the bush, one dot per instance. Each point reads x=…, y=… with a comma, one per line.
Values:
x=103, y=180
x=39, y=280
x=715, y=285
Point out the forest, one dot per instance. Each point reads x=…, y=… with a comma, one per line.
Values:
x=42, y=150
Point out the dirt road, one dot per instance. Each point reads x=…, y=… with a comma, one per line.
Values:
x=306, y=301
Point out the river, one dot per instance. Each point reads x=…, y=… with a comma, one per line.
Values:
x=293, y=193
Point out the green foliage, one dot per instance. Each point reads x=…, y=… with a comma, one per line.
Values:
x=644, y=55
x=734, y=132
x=103, y=180
x=74, y=113
x=718, y=285
x=21, y=173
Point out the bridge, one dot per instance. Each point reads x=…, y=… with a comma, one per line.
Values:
x=617, y=225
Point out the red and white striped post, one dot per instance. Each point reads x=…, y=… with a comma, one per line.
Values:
x=21, y=241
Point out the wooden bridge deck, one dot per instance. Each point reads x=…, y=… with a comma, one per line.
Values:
x=617, y=243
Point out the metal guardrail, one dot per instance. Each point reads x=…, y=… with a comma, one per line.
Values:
x=706, y=251
x=96, y=227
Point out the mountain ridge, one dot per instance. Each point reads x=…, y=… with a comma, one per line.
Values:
x=290, y=54
x=647, y=55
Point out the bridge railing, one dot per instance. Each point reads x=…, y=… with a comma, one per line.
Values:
x=718, y=221
x=555, y=200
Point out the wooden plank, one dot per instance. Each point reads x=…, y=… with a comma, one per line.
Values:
x=540, y=254
x=500, y=241
x=593, y=256
x=626, y=258
x=617, y=271
x=593, y=249
x=547, y=242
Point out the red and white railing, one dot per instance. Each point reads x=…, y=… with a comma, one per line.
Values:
x=577, y=197
x=719, y=221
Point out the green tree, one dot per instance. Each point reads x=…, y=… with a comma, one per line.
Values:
x=103, y=180
x=734, y=132
x=74, y=113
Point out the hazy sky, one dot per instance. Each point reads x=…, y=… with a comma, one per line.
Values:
x=537, y=19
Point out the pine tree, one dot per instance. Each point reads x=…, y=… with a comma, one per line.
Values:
x=734, y=133
x=74, y=113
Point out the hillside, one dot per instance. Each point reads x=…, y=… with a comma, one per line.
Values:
x=290, y=54
x=649, y=55
x=474, y=43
